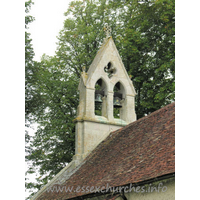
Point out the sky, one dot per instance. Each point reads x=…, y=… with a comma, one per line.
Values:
x=49, y=19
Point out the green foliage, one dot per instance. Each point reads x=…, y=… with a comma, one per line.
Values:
x=144, y=36
x=82, y=34
x=116, y=113
x=29, y=63
x=147, y=45
x=32, y=96
x=28, y=18
x=52, y=147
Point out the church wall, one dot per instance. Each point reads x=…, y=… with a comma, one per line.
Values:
x=166, y=191
x=94, y=133
x=148, y=192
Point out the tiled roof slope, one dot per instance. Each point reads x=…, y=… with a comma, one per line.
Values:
x=142, y=150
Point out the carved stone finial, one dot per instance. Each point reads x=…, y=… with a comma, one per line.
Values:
x=107, y=30
x=83, y=68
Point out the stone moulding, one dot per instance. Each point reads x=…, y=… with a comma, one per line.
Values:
x=102, y=120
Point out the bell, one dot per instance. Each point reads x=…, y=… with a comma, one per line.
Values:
x=98, y=97
x=117, y=103
x=117, y=99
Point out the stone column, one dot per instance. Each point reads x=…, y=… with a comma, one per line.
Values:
x=81, y=105
x=104, y=107
x=129, y=109
x=89, y=103
x=79, y=139
x=123, y=110
x=110, y=106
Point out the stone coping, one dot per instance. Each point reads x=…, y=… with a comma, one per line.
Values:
x=102, y=120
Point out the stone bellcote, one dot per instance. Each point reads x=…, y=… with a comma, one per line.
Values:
x=107, y=76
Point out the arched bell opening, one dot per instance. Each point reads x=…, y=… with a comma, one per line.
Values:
x=100, y=98
x=118, y=98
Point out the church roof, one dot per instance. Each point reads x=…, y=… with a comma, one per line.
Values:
x=140, y=151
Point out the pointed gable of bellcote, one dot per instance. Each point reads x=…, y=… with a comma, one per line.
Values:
x=108, y=57
x=108, y=69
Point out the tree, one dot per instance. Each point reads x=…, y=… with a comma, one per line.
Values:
x=30, y=78
x=82, y=34
x=52, y=147
x=32, y=96
x=146, y=42
x=29, y=63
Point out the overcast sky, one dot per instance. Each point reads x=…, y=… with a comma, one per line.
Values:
x=49, y=18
